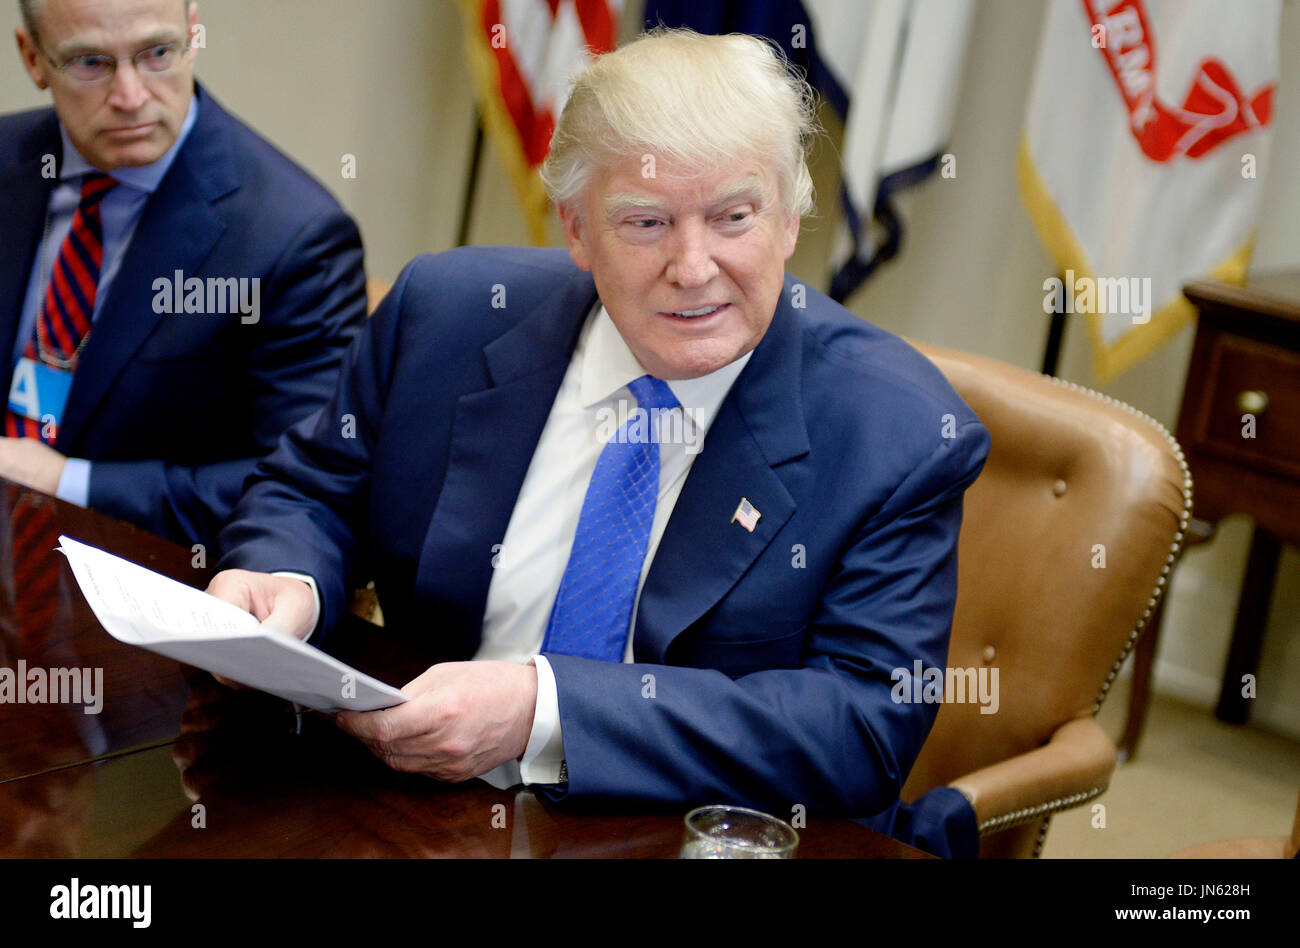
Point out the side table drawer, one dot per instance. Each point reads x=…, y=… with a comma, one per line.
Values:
x=1264, y=380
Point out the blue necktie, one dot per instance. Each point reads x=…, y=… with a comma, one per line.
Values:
x=593, y=607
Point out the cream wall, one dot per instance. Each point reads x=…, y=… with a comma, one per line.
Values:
x=386, y=81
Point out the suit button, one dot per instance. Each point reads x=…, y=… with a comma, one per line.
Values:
x=1059, y=487
x=989, y=654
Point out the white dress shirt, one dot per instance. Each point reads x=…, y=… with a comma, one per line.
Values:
x=535, y=550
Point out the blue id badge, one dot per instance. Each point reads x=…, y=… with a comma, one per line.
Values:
x=39, y=391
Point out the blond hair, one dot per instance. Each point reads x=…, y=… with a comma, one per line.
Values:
x=699, y=102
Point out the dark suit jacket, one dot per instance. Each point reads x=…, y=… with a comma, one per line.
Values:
x=174, y=410
x=771, y=652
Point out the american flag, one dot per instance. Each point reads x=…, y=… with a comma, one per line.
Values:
x=523, y=53
x=746, y=515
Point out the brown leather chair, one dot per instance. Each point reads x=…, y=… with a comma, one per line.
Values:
x=1259, y=847
x=376, y=290
x=1074, y=480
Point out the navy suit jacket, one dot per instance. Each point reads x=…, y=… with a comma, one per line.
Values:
x=174, y=410
x=771, y=652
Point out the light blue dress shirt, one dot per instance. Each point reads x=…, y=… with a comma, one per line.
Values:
x=119, y=214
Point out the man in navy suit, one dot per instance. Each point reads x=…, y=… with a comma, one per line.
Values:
x=728, y=632
x=204, y=298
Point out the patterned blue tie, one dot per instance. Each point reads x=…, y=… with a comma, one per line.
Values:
x=593, y=607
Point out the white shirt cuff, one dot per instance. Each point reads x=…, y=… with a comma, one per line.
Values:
x=315, y=616
x=74, y=482
x=545, y=751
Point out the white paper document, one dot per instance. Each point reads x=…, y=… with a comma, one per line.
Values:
x=140, y=607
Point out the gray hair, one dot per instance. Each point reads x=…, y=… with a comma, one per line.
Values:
x=30, y=10
x=698, y=101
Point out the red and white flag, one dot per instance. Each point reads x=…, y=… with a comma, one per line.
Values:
x=523, y=54
x=1149, y=128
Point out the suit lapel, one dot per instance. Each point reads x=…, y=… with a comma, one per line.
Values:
x=494, y=435
x=177, y=230
x=24, y=195
x=703, y=553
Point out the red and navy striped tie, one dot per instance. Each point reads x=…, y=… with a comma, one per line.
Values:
x=64, y=320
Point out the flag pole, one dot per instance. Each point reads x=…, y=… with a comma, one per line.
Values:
x=1055, y=338
x=471, y=183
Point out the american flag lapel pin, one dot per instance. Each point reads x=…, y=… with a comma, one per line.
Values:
x=746, y=515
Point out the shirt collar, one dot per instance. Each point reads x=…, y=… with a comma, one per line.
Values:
x=608, y=365
x=144, y=178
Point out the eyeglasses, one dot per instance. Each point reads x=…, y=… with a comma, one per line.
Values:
x=98, y=67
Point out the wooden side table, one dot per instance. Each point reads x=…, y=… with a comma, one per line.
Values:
x=1244, y=372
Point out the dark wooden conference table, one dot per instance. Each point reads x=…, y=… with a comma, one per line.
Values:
x=174, y=765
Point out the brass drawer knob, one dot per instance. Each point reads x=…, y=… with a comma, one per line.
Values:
x=1252, y=401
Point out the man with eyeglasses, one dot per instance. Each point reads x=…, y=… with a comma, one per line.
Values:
x=174, y=292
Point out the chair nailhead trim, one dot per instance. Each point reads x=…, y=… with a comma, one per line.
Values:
x=1174, y=547
x=1026, y=814
x=1045, y=810
x=1042, y=837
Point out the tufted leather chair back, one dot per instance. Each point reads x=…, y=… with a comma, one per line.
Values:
x=1066, y=544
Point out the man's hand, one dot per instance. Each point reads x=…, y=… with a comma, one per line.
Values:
x=463, y=719
x=279, y=602
x=32, y=463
